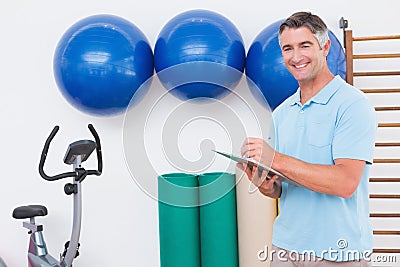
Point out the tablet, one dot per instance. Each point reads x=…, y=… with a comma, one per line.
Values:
x=251, y=163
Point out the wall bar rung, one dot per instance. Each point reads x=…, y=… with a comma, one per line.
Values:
x=389, y=124
x=386, y=250
x=380, y=91
x=386, y=160
x=386, y=232
x=389, y=144
x=386, y=196
x=376, y=38
x=384, y=180
x=385, y=215
x=376, y=73
x=376, y=56
x=387, y=108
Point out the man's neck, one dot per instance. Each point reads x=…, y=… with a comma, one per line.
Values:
x=310, y=88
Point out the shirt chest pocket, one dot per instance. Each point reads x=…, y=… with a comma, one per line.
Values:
x=320, y=133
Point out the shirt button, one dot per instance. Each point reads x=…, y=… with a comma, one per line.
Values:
x=302, y=111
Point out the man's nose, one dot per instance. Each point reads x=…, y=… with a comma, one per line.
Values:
x=297, y=55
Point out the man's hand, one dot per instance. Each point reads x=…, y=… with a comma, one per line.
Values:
x=259, y=150
x=269, y=187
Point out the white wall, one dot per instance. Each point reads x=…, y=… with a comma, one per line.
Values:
x=120, y=221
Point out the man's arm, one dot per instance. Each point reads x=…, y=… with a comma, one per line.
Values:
x=340, y=179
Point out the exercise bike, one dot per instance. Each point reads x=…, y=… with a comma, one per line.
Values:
x=77, y=152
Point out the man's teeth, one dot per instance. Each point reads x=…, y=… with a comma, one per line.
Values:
x=300, y=66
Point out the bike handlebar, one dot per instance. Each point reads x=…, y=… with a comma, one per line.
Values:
x=98, y=152
x=70, y=174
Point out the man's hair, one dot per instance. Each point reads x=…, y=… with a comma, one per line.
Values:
x=305, y=19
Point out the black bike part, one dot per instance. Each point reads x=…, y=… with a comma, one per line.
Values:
x=87, y=144
x=82, y=148
x=81, y=174
x=29, y=211
x=43, y=159
x=70, y=189
x=98, y=153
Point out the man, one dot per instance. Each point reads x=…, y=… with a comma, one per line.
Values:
x=325, y=135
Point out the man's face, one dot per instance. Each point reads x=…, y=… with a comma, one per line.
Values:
x=303, y=56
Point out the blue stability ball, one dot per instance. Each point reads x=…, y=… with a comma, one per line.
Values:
x=265, y=66
x=100, y=62
x=211, y=46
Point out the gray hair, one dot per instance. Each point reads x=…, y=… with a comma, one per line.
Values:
x=305, y=19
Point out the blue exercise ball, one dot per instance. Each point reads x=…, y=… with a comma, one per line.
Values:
x=199, y=54
x=100, y=62
x=266, y=69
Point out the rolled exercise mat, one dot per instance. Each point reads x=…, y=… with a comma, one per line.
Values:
x=178, y=220
x=256, y=215
x=218, y=225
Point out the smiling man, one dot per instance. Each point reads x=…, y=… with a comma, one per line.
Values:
x=325, y=135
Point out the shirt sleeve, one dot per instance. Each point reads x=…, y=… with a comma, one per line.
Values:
x=355, y=132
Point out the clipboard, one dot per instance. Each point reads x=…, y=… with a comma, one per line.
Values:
x=251, y=163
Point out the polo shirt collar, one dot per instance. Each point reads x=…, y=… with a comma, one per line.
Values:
x=295, y=99
x=322, y=97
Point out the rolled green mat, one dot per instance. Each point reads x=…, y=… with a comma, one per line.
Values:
x=178, y=220
x=218, y=222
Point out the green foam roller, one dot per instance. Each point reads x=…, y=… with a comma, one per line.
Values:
x=218, y=221
x=179, y=220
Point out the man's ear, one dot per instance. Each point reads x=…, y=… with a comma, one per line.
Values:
x=326, y=48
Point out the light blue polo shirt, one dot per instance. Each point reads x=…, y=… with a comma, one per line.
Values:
x=338, y=122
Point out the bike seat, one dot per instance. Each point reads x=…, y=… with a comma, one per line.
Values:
x=29, y=211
